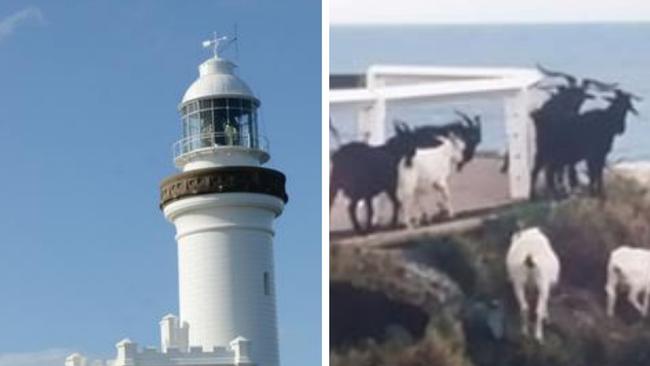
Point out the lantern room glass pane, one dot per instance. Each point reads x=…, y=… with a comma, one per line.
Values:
x=207, y=128
x=219, y=121
x=205, y=104
x=254, y=136
x=220, y=117
x=194, y=129
x=234, y=103
x=220, y=103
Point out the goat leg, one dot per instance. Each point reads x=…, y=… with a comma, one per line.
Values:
x=352, y=212
x=610, y=289
x=537, y=166
x=369, y=214
x=446, y=197
x=550, y=180
x=633, y=298
x=392, y=195
x=646, y=297
x=573, y=177
x=541, y=312
x=520, y=294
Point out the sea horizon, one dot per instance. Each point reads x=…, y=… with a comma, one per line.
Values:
x=608, y=51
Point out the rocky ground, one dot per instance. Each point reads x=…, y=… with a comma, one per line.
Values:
x=446, y=301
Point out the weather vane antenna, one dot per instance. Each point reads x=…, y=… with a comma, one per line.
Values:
x=218, y=44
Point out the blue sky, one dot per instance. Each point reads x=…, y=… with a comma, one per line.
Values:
x=88, y=96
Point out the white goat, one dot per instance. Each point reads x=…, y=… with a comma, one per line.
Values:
x=430, y=170
x=630, y=267
x=532, y=262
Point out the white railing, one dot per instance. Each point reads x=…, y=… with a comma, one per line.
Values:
x=219, y=140
x=390, y=86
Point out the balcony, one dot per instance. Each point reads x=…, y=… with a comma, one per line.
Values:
x=219, y=140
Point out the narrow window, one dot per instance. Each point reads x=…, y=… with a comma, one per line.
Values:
x=267, y=284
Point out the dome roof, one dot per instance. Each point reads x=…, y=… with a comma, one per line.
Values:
x=217, y=79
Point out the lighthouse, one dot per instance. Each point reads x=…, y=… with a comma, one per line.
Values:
x=223, y=204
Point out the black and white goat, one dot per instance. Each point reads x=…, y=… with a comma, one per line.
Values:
x=469, y=129
x=429, y=170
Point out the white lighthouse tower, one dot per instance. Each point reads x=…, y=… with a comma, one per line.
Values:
x=223, y=204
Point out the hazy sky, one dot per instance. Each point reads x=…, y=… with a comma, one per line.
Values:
x=89, y=92
x=486, y=11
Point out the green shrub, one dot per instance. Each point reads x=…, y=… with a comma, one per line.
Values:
x=435, y=349
x=583, y=232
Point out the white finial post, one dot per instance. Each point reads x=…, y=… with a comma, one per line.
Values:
x=216, y=42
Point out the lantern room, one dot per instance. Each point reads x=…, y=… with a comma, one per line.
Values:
x=219, y=114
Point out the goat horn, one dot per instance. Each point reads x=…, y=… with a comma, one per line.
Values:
x=601, y=86
x=631, y=95
x=464, y=116
x=397, y=125
x=401, y=124
x=334, y=131
x=548, y=88
x=635, y=97
x=572, y=80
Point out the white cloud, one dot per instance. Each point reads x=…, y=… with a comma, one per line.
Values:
x=486, y=11
x=49, y=357
x=9, y=24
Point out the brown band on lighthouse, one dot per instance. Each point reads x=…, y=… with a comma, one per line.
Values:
x=238, y=179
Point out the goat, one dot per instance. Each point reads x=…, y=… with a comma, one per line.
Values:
x=468, y=129
x=550, y=124
x=550, y=120
x=589, y=136
x=362, y=172
x=430, y=169
x=531, y=261
x=630, y=267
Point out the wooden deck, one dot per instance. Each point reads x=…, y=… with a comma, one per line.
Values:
x=479, y=187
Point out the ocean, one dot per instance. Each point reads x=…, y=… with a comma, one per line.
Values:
x=609, y=52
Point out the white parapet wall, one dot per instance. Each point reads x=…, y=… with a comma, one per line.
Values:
x=173, y=334
x=398, y=85
x=174, y=351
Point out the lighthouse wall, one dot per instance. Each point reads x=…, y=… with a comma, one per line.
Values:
x=226, y=276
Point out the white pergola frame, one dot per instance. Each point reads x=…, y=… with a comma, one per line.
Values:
x=394, y=84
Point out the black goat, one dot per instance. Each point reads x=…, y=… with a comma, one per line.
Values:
x=362, y=172
x=550, y=118
x=551, y=123
x=589, y=137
